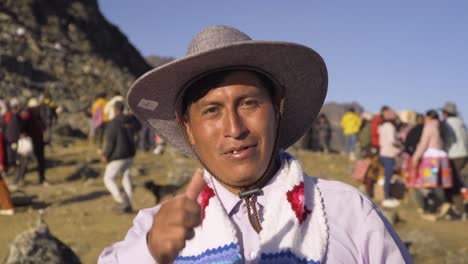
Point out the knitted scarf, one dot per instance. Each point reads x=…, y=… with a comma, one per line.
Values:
x=294, y=227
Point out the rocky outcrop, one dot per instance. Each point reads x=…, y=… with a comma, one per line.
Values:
x=65, y=47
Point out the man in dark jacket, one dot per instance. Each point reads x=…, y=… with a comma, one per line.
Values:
x=118, y=154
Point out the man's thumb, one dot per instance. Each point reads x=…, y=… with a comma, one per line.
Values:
x=195, y=185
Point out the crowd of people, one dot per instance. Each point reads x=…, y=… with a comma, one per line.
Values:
x=25, y=130
x=427, y=152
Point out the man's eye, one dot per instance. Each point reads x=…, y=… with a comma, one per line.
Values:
x=250, y=103
x=210, y=110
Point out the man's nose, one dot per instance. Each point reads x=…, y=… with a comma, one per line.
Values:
x=234, y=125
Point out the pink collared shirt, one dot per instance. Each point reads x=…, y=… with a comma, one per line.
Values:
x=358, y=231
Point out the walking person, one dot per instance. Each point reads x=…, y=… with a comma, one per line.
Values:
x=236, y=104
x=456, y=145
x=118, y=155
x=388, y=151
x=350, y=123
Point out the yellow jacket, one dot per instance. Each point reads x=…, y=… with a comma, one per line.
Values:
x=100, y=103
x=350, y=123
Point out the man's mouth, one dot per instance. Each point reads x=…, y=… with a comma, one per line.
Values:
x=241, y=151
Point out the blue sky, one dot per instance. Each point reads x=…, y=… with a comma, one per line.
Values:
x=407, y=54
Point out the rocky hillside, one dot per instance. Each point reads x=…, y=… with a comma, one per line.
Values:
x=65, y=47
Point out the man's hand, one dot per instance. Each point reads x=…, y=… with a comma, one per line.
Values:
x=175, y=222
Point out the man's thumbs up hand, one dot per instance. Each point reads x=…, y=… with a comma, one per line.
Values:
x=175, y=222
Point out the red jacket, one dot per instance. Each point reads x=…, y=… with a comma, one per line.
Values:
x=375, y=130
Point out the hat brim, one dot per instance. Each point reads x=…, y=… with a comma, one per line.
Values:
x=299, y=70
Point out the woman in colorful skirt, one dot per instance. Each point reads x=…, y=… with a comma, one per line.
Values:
x=431, y=170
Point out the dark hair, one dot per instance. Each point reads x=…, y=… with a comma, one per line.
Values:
x=419, y=117
x=202, y=86
x=101, y=95
x=351, y=109
x=384, y=108
x=435, y=116
x=432, y=114
x=119, y=106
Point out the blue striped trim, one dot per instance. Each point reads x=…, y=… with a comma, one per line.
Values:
x=286, y=257
x=221, y=255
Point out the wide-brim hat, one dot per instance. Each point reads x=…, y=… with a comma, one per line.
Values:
x=450, y=108
x=298, y=71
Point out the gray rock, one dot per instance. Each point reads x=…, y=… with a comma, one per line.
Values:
x=38, y=245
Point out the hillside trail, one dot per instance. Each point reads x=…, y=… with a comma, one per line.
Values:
x=79, y=212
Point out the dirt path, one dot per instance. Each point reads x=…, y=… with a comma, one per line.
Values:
x=79, y=212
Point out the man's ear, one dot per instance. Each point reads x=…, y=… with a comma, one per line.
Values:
x=188, y=130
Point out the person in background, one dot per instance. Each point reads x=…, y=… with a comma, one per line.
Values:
x=431, y=166
x=146, y=138
x=388, y=151
x=456, y=145
x=323, y=133
x=109, y=108
x=118, y=156
x=13, y=125
x=34, y=127
x=365, y=136
x=252, y=201
x=414, y=135
x=375, y=123
x=350, y=123
x=49, y=114
x=99, y=118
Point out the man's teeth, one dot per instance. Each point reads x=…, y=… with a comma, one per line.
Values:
x=237, y=151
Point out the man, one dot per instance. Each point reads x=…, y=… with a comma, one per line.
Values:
x=456, y=145
x=234, y=104
x=118, y=154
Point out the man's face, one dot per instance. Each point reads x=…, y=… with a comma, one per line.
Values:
x=233, y=129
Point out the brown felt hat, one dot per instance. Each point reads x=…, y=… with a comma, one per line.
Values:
x=299, y=71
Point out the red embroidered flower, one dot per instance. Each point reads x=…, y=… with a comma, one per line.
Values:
x=204, y=199
x=296, y=199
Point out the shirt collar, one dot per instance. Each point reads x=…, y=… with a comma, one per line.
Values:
x=231, y=202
